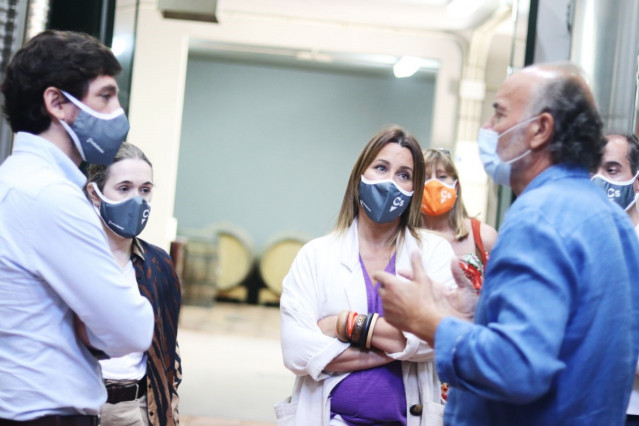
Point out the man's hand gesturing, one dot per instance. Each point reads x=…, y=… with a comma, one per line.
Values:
x=415, y=303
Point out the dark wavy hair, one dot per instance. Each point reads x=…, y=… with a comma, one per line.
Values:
x=577, y=137
x=63, y=59
x=633, y=152
x=633, y=148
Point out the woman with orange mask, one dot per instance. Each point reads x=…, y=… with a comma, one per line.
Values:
x=443, y=211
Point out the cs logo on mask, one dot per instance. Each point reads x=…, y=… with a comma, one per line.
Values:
x=445, y=196
x=613, y=193
x=145, y=215
x=397, y=202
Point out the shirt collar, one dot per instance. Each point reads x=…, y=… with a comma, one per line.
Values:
x=137, y=249
x=43, y=148
x=558, y=171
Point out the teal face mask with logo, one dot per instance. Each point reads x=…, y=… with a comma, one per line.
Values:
x=382, y=200
x=126, y=218
x=97, y=136
x=621, y=193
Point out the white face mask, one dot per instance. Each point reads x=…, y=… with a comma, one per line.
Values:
x=498, y=170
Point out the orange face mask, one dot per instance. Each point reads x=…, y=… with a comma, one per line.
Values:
x=438, y=198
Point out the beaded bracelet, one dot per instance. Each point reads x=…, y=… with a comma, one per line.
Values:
x=358, y=329
x=355, y=328
x=350, y=323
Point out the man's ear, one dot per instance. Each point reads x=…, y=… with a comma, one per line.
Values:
x=542, y=130
x=56, y=104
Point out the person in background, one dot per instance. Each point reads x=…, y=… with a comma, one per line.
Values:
x=352, y=367
x=443, y=211
x=61, y=99
x=618, y=172
x=555, y=336
x=142, y=386
x=617, y=176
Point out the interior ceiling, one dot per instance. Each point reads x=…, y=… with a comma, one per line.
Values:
x=435, y=15
x=369, y=63
x=426, y=15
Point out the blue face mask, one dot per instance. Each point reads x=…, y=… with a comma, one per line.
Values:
x=498, y=170
x=126, y=218
x=382, y=200
x=621, y=193
x=97, y=136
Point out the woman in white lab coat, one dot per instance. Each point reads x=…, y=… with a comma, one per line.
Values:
x=352, y=366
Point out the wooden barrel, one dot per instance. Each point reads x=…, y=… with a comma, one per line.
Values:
x=199, y=272
x=235, y=257
x=276, y=260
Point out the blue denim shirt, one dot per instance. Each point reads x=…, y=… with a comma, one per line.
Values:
x=555, y=338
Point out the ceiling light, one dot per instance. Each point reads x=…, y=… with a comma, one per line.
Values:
x=409, y=65
x=406, y=66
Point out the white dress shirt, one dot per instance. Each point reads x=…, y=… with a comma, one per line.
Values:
x=54, y=261
x=131, y=366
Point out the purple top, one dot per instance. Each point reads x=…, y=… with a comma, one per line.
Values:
x=375, y=396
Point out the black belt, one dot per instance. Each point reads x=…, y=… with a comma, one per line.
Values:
x=78, y=420
x=117, y=393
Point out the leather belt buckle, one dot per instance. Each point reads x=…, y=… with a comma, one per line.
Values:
x=137, y=390
x=120, y=393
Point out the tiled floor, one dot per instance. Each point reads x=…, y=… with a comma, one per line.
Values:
x=232, y=365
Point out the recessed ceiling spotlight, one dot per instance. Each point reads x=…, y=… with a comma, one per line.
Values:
x=409, y=65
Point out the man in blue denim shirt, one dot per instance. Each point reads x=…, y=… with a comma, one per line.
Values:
x=555, y=335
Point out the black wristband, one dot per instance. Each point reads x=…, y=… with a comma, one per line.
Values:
x=367, y=326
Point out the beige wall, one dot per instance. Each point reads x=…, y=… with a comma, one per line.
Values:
x=159, y=68
x=157, y=88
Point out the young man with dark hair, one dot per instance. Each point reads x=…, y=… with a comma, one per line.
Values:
x=617, y=175
x=55, y=266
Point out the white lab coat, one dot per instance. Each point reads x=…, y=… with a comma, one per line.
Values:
x=325, y=278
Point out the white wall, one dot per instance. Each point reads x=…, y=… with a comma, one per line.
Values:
x=268, y=147
x=159, y=70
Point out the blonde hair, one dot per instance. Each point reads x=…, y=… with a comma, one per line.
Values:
x=411, y=218
x=458, y=214
x=99, y=173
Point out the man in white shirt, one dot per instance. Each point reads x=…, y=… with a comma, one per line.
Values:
x=61, y=100
x=618, y=175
